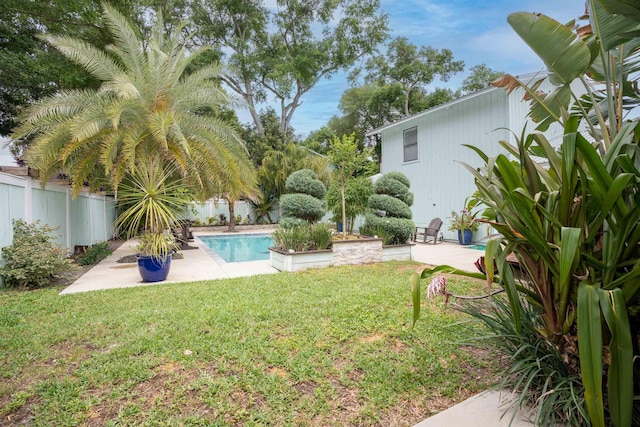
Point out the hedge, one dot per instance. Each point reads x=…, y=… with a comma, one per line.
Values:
x=401, y=228
x=395, y=188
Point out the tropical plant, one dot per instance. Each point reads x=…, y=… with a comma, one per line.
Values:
x=33, y=259
x=574, y=223
x=152, y=99
x=356, y=196
x=306, y=237
x=463, y=220
x=390, y=207
x=347, y=159
x=152, y=201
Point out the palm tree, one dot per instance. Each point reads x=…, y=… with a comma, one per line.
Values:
x=152, y=100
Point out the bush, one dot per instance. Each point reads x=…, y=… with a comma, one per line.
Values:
x=394, y=187
x=291, y=222
x=356, y=194
x=296, y=238
x=305, y=181
x=303, y=206
x=371, y=231
x=400, y=228
x=321, y=236
x=95, y=254
x=306, y=237
x=397, y=176
x=536, y=366
x=33, y=259
x=390, y=205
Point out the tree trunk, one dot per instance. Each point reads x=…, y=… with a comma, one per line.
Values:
x=344, y=210
x=232, y=216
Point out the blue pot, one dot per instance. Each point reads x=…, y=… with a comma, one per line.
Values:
x=153, y=269
x=464, y=237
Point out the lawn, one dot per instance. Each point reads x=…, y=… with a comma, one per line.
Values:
x=316, y=348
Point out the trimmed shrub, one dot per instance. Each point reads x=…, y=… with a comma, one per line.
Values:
x=95, y=254
x=371, y=231
x=303, y=206
x=305, y=181
x=391, y=208
x=394, y=188
x=390, y=205
x=400, y=228
x=33, y=259
x=397, y=176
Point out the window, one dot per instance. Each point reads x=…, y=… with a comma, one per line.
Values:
x=410, y=144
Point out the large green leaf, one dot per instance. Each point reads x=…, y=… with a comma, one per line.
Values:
x=627, y=8
x=620, y=375
x=564, y=54
x=590, y=348
x=568, y=255
x=612, y=28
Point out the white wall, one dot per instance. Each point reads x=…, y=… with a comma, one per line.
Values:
x=438, y=180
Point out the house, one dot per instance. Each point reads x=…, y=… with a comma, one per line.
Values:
x=428, y=148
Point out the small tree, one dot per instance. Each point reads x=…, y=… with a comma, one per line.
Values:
x=305, y=204
x=347, y=159
x=391, y=207
x=356, y=197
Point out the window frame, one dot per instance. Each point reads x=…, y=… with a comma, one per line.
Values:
x=406, y=145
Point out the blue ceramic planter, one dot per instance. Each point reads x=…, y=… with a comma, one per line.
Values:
x=153, y=269
x=464, y=237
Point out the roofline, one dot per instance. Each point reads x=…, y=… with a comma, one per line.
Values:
x=522, y=77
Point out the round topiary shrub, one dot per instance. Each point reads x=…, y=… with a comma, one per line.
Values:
x=306, y=204
x=391, y=208
x=305, y=181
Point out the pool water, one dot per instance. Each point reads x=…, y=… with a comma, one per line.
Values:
x=477, y=247
x=239, y=248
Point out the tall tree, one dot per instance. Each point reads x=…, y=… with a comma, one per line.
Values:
x=285, y=52
x=147, y=104
x=345, y=156
x=259, y=144
x=481, y=77
x=410, y=67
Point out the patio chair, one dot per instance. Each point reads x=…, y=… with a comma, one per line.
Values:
x=431, y=231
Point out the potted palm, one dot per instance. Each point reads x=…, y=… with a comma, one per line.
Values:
x=152, y=203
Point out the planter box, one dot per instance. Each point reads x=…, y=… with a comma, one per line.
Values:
x=344, y=252
x=397, y=252
x=296, y=261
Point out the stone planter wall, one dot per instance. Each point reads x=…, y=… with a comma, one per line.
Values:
x=397, y=252
x=359, y=251
x=345, y=252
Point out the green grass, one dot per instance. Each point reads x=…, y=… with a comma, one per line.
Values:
x=316, y=348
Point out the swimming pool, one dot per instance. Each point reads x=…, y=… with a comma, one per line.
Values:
x=248, y=247
x=477, y=247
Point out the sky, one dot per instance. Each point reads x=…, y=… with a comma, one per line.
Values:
x=476, y=31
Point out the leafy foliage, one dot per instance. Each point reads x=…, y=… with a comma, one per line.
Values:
x=152, y=99
x=307, y=207
x=305, y=181
x=305, y=237
x=356, y=195
x=390, y=207
x=33, y=259
x=95, y=253
x=303, y=206
x=573, y=222
x=400, y=229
